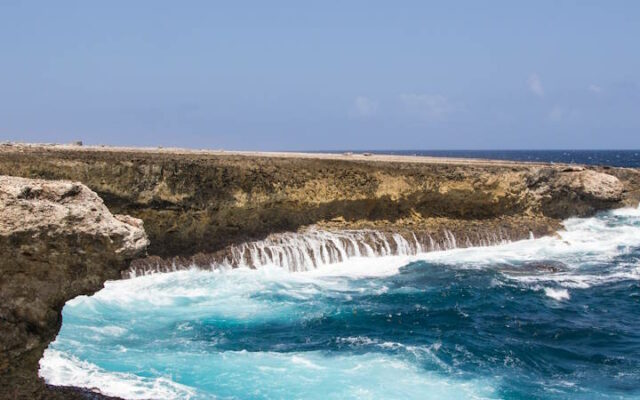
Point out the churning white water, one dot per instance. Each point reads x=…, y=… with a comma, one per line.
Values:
x=313, y=248
x=367, y=316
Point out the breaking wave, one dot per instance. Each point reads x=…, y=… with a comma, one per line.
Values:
x=554, y=317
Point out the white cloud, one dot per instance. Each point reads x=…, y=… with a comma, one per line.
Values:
x=535, y=85
x=364, y=107
x=595, y=88
x=429, y=106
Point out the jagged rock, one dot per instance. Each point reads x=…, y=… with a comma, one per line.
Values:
x=535, y=267
x=597, y=186
x=575, y=191
x=58, y=240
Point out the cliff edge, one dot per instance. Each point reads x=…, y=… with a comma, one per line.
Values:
x=201, y=202
x=58, y=240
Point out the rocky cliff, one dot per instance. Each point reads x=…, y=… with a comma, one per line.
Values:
x=198, y=203
x=58, y=240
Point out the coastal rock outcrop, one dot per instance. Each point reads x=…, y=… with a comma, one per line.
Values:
x=58, y=240
x=575, y=191
x=203, y=202
x=197, y=204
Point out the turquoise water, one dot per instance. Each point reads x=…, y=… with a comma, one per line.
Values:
x=549, y=318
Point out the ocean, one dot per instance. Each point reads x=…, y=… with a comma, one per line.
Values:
x=544, y=318
x=613, y=158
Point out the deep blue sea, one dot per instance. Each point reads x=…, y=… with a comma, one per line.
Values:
x=547, y=318
x=614, y=158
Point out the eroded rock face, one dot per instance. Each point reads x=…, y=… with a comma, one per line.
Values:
x=596, y=185
x=57, y=240
x=198, y=202
x=574, y=192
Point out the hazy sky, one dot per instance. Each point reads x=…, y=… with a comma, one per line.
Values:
x=322, y=75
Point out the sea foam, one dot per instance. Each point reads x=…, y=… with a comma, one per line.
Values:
x=178, y=335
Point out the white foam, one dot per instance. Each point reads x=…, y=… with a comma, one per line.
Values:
x=557, y=294
x=108, y=330
x=591, y=240
x=236, y=295
x=301, y=361
x=363, y=267
x=573, y=280
x=583, y=242
x=58, y=368
x=312, y=375
x=233, y=288
x=627, y=212
x=315, y=375
x=357, y=340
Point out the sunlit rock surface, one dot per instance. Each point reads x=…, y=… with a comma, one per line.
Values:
x=202, y=202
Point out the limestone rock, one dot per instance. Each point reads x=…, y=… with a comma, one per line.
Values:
x=594, y=185
x=575, y=191
x=202, y=202
x=58, y=240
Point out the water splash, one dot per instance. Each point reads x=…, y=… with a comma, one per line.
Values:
x=313, y=248
x=545, y=318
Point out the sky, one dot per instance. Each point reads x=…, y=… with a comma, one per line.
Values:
x=322, y=75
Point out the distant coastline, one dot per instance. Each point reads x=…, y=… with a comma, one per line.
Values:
x=603, y=158
x=611, y=157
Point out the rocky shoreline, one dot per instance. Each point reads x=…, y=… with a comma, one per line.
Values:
x=196, y=202
x=317, y=245
x=60, y=240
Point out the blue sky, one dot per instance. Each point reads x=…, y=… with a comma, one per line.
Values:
x=276, y=75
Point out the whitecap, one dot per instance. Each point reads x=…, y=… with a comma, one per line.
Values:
x=557, y=294
x=247, y=296
x=109, y=330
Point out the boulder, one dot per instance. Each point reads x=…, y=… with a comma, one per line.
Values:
x=575, y=192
